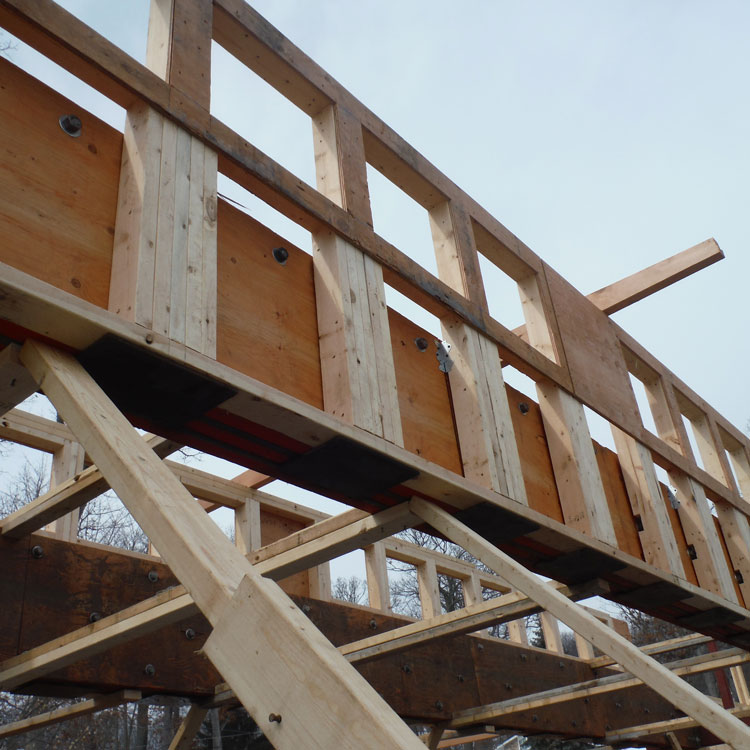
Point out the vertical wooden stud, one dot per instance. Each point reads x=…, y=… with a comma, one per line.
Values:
x=247, y=527
x=657, y=537
x=359, y=379
x=429, y=589
x=66, y=463
x=551, y=631
x=376, y=567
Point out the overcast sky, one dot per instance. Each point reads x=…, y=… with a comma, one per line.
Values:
x=606, y=135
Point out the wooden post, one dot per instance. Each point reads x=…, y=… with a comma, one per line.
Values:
x=359, y=380
x=273, y=657
x=66, y=463
x=376, y=566
x=164, y=260
x=686, y=698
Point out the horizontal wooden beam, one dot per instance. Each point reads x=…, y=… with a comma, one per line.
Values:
x=694, y=639
x=33, y=431
x=467, y=620
x=90, y=706
x=695, y=665
x=171, y=605
x=639, y=285
x=322, y=542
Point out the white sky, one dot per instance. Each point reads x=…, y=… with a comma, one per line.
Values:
x=606, y=135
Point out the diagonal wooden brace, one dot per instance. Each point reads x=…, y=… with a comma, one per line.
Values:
x=685, y=697
x=282, y=641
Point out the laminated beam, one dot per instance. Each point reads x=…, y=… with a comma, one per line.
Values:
x=255, y=624
x=314, y=545
x=683, y=696
x=493, y=713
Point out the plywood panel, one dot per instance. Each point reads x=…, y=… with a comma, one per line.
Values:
x=58, y=194
x=423, y=396
x=595, y=359
x=536, y=464
x=266, y=321
x=623, y=522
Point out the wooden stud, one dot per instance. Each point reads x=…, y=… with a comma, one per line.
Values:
x=67, y=463
x=551, y=632
x=247, y=526
x=243, y=606
x=376, y=567
x=429, y=589
x=685, y=697
x=657, y=537
x=16, y=385
x=179, y=46
x=164, y=259
x=359, y=381
x=579, y=483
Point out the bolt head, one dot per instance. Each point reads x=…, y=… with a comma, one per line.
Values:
x=37, y=552
x=190, y=634
x=150, y=670
x=71, y=124
x=153, y=576
x=280, y=255
x=95, y=617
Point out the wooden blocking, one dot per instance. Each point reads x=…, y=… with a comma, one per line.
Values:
x=657, y=537
x=359, y=381
x=292, y=681
x=579, y=483
x=736, y=532
x=164, y=260
x=179, y=46
x=485, y=429
x=16, y=385
x=456, y=252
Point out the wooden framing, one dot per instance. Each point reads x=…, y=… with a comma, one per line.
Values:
x=356, y=414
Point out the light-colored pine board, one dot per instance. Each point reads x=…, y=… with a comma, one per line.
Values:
x=183, y=739
x=376, y=570
x=16, y=385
